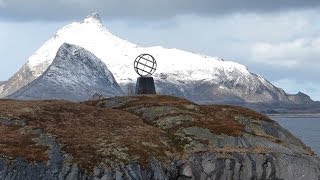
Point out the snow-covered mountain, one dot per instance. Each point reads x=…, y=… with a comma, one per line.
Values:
x=75, y=74
x=197, y=77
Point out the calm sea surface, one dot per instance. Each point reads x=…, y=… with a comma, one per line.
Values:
x=306, y=129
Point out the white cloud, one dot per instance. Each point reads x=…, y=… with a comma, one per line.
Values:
x=236, y=36
x=289, y=54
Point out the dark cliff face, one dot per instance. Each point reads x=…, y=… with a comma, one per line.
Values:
x=75, y=74
x=146, y=137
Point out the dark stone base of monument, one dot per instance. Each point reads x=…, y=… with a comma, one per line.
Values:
x=145, y=85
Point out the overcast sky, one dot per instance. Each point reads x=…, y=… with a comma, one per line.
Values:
x=279, y=40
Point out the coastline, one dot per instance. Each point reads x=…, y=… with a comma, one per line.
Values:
x=317, y=115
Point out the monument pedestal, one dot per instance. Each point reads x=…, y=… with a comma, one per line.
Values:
x=145, y=85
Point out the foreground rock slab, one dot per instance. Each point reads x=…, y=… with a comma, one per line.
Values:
x=146, y=137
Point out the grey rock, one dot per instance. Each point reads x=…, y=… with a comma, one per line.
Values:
x=157, y=170
x=74, y=173
x=205, y=166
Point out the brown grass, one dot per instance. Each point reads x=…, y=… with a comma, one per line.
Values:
x=145, y=100
x=14, y=142
x=226, y=111
x=254, y=149
x=210, y=117
x=158, y=100
x=92, y=134
x=82, y=130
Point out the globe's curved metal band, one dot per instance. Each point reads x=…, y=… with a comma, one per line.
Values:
x=145, y=65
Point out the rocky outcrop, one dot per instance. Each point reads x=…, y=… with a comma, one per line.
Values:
x=146, y=137
x=75, y=74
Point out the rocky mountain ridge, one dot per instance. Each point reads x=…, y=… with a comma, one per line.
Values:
x=146, y=137
x=196, y=77
x=75, y=74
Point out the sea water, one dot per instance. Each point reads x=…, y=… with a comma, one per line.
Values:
x=306, y=129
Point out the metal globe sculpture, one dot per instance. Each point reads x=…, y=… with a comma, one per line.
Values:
x=145, y=65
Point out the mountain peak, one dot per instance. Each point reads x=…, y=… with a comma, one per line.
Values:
x=75, y=74
x=93, y=17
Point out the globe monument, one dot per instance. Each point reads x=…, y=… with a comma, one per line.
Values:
x=145, y=65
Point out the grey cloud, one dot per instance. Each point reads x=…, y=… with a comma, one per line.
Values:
x=142, y=9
